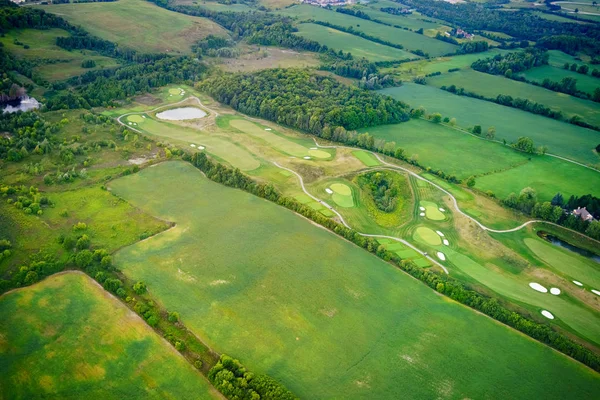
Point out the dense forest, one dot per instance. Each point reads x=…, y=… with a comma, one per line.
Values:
x=382, y=189
x=510, y=63
x=302, y=100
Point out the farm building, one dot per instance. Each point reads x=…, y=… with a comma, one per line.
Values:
x=583, y=213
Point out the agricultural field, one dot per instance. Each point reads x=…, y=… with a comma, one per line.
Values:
x=408, y=39
x=573, y=142
x=66, y=337
x=56, y=62
x=262, y=290
x=399, y=20
x=355, y=45
x=138, y=24
x=585, y=83
x=492, y=85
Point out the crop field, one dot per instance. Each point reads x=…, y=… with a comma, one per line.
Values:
x=42, y=46
x=410, y=40
x=492, y=85
x=427, y=142
x=585, y=83
x=65, y=337
x=138, y=24
x=356, y=45
x=286, y=307
x=563, y=139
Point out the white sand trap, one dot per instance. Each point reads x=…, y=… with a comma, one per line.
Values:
x=306, y=157
x=143, y=116
x=129, y=123
x=547, y=314
x=314, y=148
x=441, y=256
x=439, y=233
x=555, y=291
x=201, y=147
x=446, y=242
x=538, y=287
x=596, y=292
x=578, y=283
x=192, y=145
x=268, y=129
x=422, y=214
x=422, y=208
x=441, y=209
x=329, y=191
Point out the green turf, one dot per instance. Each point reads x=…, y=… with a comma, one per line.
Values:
x=342, y=189
x=353, y=44
x=422, y=262
x=67, y=338
x=42, y=47
x=366, y=158
x=135, y=118
x=138, y=24
x=342, y=195
x=428, y=236
x=410, y=40
x=318, y=313
x=585, y=83
x=561, y=138
x=431, y=211
x=430, y=143
x=492, y=85
x=319, y=154
x=280, y=143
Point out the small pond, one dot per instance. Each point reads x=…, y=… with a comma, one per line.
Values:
x=26, y=104
x=181, y=114
x=561, y=243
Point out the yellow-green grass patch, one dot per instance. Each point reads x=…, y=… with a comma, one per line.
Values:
x=366, y=158
x=65, y=337
x=319, y=154
x=432, y=211
x=341, y=189
x=279, y=143
x=135, y=118
x=428, y=236
x=175, y=91
x=421, y=262
x=342, y=195
x=302, y=314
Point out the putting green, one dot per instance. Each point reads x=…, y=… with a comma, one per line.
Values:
x=426, y=235
x=342, y=189
x=432, y=212
x=342, y=195
x=174, y=91
x=319, y=154
x=135, y=118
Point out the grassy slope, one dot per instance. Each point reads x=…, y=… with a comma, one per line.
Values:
x=561, y=138
x=67, y=338
x=492, y=85
x=138, y=24
x=410, y=40
x=43, y=46
x=356, y=45
x=586, y=83
x=334, y=323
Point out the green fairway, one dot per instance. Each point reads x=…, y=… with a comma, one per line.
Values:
x=428, y=236
x=366, y=158
x=585, y=83
x=410, y=40
x=353, y=44
x=318, y=313
x=492, y=85
x=429, y=142
x=280, y=143
x=67, y=338
x=564, y=139
x=138, y=24
x=62, y=63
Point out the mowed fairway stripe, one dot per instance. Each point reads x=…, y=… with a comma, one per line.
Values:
x=323, y=316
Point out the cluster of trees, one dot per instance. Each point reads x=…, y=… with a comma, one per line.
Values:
x=356, y=68
x=88, y=64
x=31, y=133
x=376, y=82
x=570, y=44
x=395, y=10
x=510, y=63
x=216, y=46
x=473, y=47
x=521, y=25
x=382, y=189
x=297, y=98
x=580, y=69
x=5, y=246
x=441, y=283
x=232, y=379
x=28, y=199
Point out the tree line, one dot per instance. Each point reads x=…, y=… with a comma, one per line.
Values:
x=441, y=283
x=511, y=63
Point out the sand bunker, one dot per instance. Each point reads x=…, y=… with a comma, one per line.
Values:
x=422, y=208
x=192, y=145
x=201, y=147
x=314, y=148
x=268, y=129
x=596, y=292
x=329, y=191
x=422, y=214
x=446, y=242
x=578, y=283
x=555, y=291
x=538, y=287
x=547, y=314
x=441, y=256
x=306, y=157
x=439, y=233
x=441, y=209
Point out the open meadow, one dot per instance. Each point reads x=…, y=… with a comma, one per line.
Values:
x=563, y=139
x=585, y=82
x=67, y=338
x=138, y=24
x=328, y=323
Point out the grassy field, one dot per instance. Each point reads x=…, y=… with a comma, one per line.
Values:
x=356, y=45
x=42, y=46
x=561, y=138
x=334, y=323
x=410, y=40
x=585, y=83
x=399, y=20
x=492, y=85
x=138, y=24
x=67, y=338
